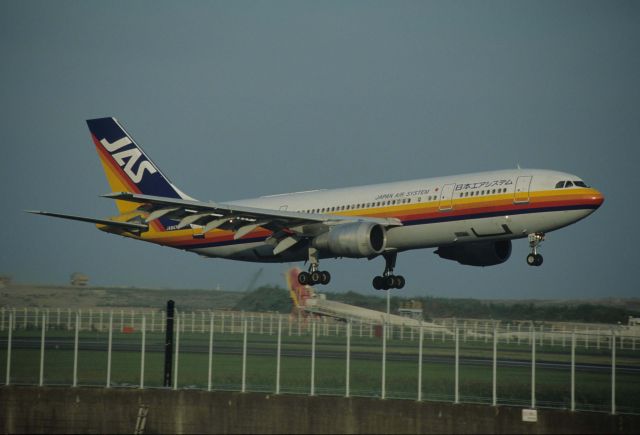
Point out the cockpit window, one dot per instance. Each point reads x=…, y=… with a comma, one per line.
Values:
x=560, y=185
x=580, y=184
x=569, y=184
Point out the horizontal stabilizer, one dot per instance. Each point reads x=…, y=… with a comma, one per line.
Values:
x=108, y=222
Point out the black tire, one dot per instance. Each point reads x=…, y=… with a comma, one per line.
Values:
x=400, y=281
x=531, y=259
x=378, y=283
x=389, y=282
x=325, y=277
x=539, y=260
x=304, y=278
x=315, y=277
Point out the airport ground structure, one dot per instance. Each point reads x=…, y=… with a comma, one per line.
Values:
x=329, y=376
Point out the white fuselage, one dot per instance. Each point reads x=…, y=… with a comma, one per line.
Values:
x=496, y=205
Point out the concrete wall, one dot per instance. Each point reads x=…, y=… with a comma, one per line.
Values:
x=95, y=410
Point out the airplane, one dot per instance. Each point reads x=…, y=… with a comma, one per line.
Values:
x=470, y=218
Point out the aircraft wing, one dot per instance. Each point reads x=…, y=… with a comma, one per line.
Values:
x=130, y=226
x=286, y=225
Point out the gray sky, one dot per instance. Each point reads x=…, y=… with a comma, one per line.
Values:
x=239, y=99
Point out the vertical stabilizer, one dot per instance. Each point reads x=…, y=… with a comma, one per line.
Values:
x=127, y=167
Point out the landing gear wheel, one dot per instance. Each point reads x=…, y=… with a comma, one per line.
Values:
x=378, y=283
x=325, y=277
x=534, y=260
x=304, y=278
x=400, y=281
x=315, y=277
x=389, y=282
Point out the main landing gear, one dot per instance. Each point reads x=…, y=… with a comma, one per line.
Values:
x=388, y=280
x=314, y=276
x=535, y=259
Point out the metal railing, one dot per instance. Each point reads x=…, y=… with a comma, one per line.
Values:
x=585, y=367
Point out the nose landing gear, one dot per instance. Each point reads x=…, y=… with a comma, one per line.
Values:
x=388, y=280
x=535, y=259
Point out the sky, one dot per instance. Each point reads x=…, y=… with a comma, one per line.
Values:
x=235, y=99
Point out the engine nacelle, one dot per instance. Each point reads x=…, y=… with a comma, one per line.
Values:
x=477, y=253
x=355, y=240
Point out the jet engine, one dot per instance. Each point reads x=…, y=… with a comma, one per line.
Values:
x=355, y=240
x=477, y=253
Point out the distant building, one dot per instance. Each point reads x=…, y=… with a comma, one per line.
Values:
x=79, y=280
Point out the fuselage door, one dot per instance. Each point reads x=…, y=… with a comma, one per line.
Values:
x=521, y=194
x=446, y=197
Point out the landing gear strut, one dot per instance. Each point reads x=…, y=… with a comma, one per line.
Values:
x=535, y=259
x=388, y=280
x=314, y=276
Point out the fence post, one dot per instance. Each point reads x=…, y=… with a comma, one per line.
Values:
x=12, y=317
x=75, y=352
x=244, y=357
x=279, y=349
x=495, y=366
x=109, y=346
x=313, y=358
x=613, y=373
x=41, y=383
x=573, y=371
x=348, y=365
x=420, y=341
x=457, y=368
x=384, y=361
x=533, y=367
x=209, y=368
x=178, y=317
x=142, y=350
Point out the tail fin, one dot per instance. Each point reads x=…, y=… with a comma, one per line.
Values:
x=299, y=293
x=127, y=167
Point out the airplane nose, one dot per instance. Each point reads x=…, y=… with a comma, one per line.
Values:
x=596, y=198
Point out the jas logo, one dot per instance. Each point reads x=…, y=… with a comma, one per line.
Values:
x=128, y=158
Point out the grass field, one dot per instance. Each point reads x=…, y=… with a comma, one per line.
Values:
x=593, y=386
